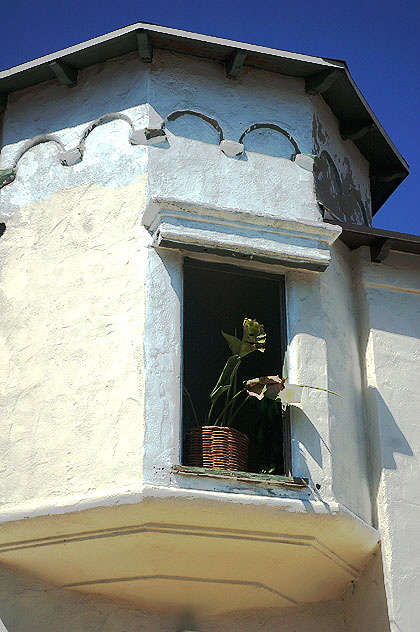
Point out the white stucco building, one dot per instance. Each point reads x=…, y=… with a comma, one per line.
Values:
x=145, y=175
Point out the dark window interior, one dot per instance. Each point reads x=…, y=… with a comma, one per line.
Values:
x=216, y=298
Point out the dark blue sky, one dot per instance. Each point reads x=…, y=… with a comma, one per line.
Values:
x=379, y=40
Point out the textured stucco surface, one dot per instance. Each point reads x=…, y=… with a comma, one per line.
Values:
x=390, y=308
x=101, y=193
x=365, y=605
x=72, y=304
x=328, y=435
x=28, y=605
x=91, y=327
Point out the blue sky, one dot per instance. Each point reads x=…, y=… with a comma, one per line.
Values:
x=380, y=41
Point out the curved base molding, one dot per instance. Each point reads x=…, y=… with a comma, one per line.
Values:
x=184, y=549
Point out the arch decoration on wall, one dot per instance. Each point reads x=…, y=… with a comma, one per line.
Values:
x=155, y=134
x=276, y=128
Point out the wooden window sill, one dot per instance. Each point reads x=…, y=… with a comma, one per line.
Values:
x=244, y=477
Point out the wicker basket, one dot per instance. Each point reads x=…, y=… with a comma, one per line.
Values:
x=217, y=447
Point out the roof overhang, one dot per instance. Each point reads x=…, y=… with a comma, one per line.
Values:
x=380, y=241
x=329, y=77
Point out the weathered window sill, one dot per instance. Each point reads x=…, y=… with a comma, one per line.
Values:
x=246, y=477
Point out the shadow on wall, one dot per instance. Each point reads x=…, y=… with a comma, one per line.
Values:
x=314, y=447
x=194, y=125
x=322, y=616
x=271, y=140
x=365, y=604
x=311, y=439
x=392, y=439
x=263, y=138
x=111, y=87
x=385, y=440
x=29, y=604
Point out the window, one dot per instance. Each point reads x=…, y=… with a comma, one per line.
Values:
x=218, y=297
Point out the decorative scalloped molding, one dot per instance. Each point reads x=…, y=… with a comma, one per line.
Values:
x=275, y=128
x=151, y=135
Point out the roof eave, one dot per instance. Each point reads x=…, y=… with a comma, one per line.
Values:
x=388, y=167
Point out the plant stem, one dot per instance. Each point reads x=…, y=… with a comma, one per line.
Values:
x=229, y=399
x=209, y=413
x=235, y=386
x=227, y=406
x=191, y=404
x=239, y=407
x=318, y=388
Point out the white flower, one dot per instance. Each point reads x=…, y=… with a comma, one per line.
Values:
x=291, y=394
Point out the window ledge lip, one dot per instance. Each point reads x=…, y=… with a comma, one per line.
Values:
x=226, y=231
x=268, y=480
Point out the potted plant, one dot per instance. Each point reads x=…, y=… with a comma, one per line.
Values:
x=215, y=443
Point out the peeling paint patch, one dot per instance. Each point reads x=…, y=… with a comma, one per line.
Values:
x=232, y=149
x=305, y=161
x=341, y=184
x=148, y=136
x=7, y=176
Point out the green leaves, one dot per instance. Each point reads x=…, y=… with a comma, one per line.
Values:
x=253, y=338
x=223, y=412
x=254, y=334
x=226, y=378
x=233, y=342
x=238, y=347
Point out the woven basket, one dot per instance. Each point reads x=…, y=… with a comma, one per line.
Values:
x=218, y=447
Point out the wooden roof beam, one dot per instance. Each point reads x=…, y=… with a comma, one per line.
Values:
x=321, y=81
x=235, y=64
x=380, y=249
x=65, y=73
x=144, y=45
x=353, y=130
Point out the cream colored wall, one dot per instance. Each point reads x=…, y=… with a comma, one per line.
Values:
x=72, y=304
x=365, y=605
x=28, y=604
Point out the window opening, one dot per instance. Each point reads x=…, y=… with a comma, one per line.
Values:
x=218, y=297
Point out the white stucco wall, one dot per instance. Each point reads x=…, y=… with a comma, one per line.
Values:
x=92, y=314
x=329, y=443
x=78, y=227
x=390, y=313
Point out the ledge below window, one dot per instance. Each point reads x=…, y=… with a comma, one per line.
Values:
x=247, y=477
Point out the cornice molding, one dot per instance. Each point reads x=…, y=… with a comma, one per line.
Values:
x=231, y=232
